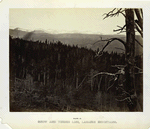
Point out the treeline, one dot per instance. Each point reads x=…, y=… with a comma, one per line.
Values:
x=57, y=71
x=55, y=60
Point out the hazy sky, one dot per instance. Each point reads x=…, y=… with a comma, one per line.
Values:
x=61, y=20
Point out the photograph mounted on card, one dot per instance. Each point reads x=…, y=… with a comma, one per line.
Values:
x=74, y=64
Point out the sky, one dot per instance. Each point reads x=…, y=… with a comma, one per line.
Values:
x=65, y=20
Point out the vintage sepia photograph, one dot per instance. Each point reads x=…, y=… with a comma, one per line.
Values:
x=76, y=60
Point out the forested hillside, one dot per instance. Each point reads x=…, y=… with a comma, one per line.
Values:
x=52, y=76
x=82, y=40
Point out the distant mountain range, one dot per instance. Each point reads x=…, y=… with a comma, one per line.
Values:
x=82, y=40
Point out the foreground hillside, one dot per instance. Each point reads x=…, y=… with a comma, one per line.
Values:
x=52, y=76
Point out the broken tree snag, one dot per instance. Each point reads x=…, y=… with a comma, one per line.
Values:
x=140, y=18
x=130, y=52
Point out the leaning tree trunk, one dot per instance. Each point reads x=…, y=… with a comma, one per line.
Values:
x=130, y=53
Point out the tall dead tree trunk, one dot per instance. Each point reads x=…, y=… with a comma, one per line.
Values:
x=130, y=27
x=130, y=54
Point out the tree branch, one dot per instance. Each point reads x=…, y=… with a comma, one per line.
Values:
x=141, y=12
x=138, y=23
x=119, y=66
x=138, y=42
x=104, y=73
x=113, y=14
x=140, y=19
x=121, y=28
x=110, y=86
x=109, y=13
x=140, y=31
x=127, y=98
x=138, y=68
x=108, y=42
x=82, y=82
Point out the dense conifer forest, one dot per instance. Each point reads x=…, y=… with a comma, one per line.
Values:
x=53, y=76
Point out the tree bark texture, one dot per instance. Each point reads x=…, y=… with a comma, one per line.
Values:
x=130, y=54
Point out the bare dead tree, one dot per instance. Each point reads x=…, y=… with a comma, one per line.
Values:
x=131, y=25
